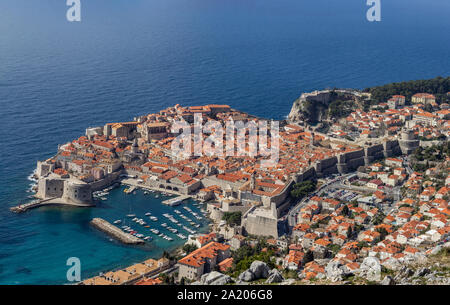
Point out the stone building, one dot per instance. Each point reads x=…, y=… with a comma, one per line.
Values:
x=65, y=191
x=423, y=98
x=202, y=260
x=155, y=130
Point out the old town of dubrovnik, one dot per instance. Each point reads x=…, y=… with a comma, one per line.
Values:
x=358, y=194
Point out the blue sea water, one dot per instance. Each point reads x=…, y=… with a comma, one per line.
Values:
x=128, y=58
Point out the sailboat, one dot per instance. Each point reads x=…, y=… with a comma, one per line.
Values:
x=131, y=215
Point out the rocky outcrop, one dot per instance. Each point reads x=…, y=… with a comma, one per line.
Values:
x=246, y=276
x=392, y=264
x=422, y=275
x=310, y=107
x=370, y=269
x=335, y=271
x=404, y=273
x=388, y=280
x=313, y=107
x=274, y=277
x=422, y=272
x=257, y=270
x=214, y=278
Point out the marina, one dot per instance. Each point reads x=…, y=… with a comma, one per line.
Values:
x=136, y=224
x=118, y=208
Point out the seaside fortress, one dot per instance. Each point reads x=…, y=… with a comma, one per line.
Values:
x=56, y=188
x=202, y=260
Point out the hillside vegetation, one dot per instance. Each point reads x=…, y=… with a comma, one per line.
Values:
x=438, y=86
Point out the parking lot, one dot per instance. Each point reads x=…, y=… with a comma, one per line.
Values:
x=341, y=194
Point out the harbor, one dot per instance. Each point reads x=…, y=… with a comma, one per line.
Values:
x=128, y=233
x=171, y=225
x=114, y=205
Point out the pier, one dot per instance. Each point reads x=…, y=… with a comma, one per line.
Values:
x=26, y=206
x=115, y=232
x=176, y=201
x=131, y=189
x=46, y=202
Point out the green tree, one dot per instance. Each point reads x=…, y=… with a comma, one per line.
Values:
x=438, y=86
x=303, y=188
x=309, y=257
x=383, y=233
x=232, y=218
x=188, y=248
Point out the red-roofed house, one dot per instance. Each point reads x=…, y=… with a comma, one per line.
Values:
x=202, y=260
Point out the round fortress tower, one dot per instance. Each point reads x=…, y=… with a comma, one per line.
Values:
x=77, y=192
x=408, y=141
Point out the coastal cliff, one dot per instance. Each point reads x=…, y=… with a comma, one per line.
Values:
x=318, y=106
x=310, y=107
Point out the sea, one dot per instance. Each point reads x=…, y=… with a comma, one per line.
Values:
x=128, y=58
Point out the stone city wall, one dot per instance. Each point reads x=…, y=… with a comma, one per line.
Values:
x=261, y=226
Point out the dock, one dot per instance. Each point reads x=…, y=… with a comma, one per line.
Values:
x=26, y=206
x=56, y=201
x=131, y=189
x=30, y=205
x=115, y=232
x=176, y=200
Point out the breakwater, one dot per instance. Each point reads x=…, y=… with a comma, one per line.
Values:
x=115, y=232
